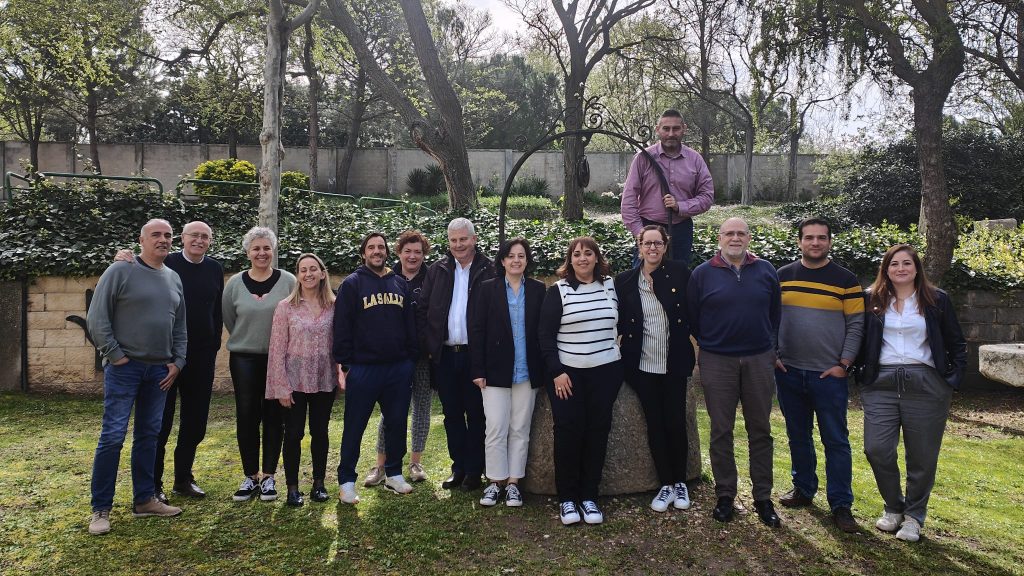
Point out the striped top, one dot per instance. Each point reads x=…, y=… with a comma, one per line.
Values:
x=822, y=316
x=654, y=352
x=587, y=332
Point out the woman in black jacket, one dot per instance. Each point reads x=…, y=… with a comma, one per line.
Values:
x=657, y=357
x=505, y=363
x=913, y=358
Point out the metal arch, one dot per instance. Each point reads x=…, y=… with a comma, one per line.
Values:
x=586, y=133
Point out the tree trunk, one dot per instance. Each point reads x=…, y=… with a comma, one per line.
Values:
x=314, y=106
x=747, y=195
x=792, y=195
x=270, y=136
x=91, y=120
x=572, y=199
x=232, y=142
x=936, y=214
x=358, y=108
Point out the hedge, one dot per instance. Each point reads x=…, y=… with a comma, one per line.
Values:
x=73, y=230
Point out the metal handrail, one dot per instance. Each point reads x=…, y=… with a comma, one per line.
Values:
x=407, y=204
x=8, y=190
x=159, y=185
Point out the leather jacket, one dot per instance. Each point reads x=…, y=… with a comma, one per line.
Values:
x=945, y=339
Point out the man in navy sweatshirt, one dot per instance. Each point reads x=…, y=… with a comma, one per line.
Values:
x=734, y=309
x=375, y=348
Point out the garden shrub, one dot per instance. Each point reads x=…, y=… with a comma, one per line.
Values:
x=530, y=186
x=528, y=207
x=880, y=183
x=73, y=229
x=294, y=179
x=226, y=170
x=428, y=181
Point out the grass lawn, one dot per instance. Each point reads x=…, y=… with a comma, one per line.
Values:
x=975, y=525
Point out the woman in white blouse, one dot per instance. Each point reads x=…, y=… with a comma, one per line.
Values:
x=913, y=358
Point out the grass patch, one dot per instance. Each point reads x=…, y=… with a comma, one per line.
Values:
x=975, y=525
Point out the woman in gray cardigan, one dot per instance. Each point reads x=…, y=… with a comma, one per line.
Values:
x=250, y=298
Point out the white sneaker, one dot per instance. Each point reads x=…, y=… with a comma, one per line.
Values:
x=397, y=484
x=682, y=501
x=910, y=530
x=660, y=502
x=347, y=493
x=889, y=521
x=249, y=488
x=568, y=513
x=591, y=513
x=491, y=494
x=513, y=498
x=374, y=477
x=416, y=472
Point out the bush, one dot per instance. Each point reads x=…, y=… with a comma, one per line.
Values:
x=530, y=186
x=294, y=179
x=528, y=207
x=884, y=182
x=226, y=170
x=428, y=181
x=73, y=229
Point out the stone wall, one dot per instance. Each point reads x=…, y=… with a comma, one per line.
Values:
x=988, y=318
x=60, y=359
x=383, y=171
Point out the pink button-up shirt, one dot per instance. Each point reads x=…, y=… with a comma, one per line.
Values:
x=300, y=351
x=689, y=181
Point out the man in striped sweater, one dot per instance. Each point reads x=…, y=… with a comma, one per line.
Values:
x=819, y=336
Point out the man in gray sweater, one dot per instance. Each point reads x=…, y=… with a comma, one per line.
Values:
x=137, y=322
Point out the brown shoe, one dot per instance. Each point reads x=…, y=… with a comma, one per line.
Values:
x=154, y=507
x=795, y=499
x=843, y=519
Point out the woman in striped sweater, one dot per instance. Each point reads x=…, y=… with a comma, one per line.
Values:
x=658, y=358
x=577, y=336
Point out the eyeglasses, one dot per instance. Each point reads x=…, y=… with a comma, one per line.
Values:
x=653, y=244
x=199, y=236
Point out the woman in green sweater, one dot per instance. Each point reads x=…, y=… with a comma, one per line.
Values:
x=250, y=298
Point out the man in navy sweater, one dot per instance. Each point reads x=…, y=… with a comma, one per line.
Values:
x=734, y=310
x=375, y=348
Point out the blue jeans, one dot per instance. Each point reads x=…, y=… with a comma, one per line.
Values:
x=135, y=383
x=681, y=237
x=802, y=396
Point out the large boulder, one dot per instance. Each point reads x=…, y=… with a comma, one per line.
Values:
x=1002, y=363
x=628, y=467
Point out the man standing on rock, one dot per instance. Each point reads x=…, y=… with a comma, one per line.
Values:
x=820, y=334
x=441, y=314
x=690, y=189
x=734, y=306
x=137, y=321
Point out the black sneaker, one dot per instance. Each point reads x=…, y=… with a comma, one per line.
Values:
x=766, y=512
x=294, y=498
x=247, y=490
x=319, y=494
x=723, y=509
x=268, y=489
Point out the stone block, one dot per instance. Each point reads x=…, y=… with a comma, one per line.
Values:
x=36, y=338
x=1007, y=316
x=39, y=357
x=976, y=314
x=36, y=302
x=985, y=298
x=64, y=301
x=628, y=465
x=65, y=338
x=84, y=356
x=80, y=285
x=1002, y=363
x=46, y=320
x=999, y=224
x=999, y=333
x=46, y=284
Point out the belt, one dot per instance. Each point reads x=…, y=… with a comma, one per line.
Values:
x=457, y=347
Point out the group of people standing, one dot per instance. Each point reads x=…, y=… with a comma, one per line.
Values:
x=487, y=337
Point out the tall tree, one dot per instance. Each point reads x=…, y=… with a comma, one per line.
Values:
x=279, y=30
x=441, y=134
x=579, y=35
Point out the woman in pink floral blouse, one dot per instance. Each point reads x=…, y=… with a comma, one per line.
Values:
x=301, y=374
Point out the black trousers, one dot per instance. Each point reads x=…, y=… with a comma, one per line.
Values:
x=663, y=399
x=194, y=386
x=319, y=406
x=249, y=376
x=581, y=426
x=463, y=407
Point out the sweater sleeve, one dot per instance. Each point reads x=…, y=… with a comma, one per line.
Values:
x=218, y=306
x=344, y=308
x=547, y=331
x=412, y=345
x=277, y=373
x=179, y=334
x=99, y=319
x=228, y=303
x=693, y=303
x=629, y=206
